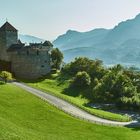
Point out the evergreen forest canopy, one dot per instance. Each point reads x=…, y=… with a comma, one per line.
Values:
x=116, y=85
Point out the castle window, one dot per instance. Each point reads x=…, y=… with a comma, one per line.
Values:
x=45, y=61
x=37, y=52
x=42, y=66
x=27, y=52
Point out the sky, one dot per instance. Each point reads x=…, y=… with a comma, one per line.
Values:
x=48, y=19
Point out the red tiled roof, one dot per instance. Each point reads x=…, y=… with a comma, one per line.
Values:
x=7, y=27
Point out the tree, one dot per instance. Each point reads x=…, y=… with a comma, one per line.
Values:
x=93, y=67
x=6, y=76
x=117, y=88
x=82, y=79
x=57, y=58
x=117, y=68
x=134, y=76
x=97, y=70
x=80, y=64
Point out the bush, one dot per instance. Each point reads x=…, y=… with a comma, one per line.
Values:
x=5, y=76
x=57, y=58
x=82, y=79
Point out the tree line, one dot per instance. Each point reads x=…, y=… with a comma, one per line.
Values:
x=115, y=85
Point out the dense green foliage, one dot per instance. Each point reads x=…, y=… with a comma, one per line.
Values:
x=6, y=76
x=82, y=79
x=57, y=58
x=26, y=117
x=116, y=85
x=93, y=67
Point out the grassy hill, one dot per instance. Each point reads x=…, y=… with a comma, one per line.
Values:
x=25, y=117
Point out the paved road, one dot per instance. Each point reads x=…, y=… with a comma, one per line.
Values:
x=71, y=109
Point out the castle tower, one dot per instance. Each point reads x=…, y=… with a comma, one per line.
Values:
x=8, y=36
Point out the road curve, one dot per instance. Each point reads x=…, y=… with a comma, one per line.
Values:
x=72, y=109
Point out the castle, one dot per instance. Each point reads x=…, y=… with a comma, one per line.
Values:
x=24, y=61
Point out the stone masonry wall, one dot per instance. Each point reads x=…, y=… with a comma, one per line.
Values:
x=11, y=38
x=7, y=38
x=30, y=65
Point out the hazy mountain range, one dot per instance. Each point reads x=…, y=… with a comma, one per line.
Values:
x=30, y=39
x=118, y=45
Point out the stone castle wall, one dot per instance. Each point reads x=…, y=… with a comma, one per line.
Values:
x=2, y=44
x=30, y=64
x=11, y=38
x=7, y=38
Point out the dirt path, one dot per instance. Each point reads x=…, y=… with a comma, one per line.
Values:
x=71, y=109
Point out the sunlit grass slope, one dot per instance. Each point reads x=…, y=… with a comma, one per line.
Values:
x=26, y=117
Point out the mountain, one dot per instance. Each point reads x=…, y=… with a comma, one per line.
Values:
x=30, y=39
x=124, y=31
x=74, y=39
x=118, y=45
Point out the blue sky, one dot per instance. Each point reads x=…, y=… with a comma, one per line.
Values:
x=49, y=18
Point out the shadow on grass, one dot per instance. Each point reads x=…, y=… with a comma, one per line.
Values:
x=62, y=78
x=77, y=91
x=135, y=128
x=31, y=81
x=70, y=91
x=48, y=76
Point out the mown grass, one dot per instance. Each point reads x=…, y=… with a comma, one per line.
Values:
x=54, y=86
x=26, y=117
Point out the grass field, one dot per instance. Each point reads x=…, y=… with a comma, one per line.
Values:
x=54, y=86
x=26, y=117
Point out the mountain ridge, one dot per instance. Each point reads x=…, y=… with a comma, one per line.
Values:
x=120, y=44
x=30, y=39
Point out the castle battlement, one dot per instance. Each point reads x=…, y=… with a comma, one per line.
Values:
x=36, y=48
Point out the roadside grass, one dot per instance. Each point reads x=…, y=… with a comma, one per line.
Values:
x=24, y=116
x=58, y=87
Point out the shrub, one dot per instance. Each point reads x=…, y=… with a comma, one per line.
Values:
x=82, y=79
x=6, y=76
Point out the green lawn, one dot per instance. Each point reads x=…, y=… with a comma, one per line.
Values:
x=26, y=117
x=54, y=86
